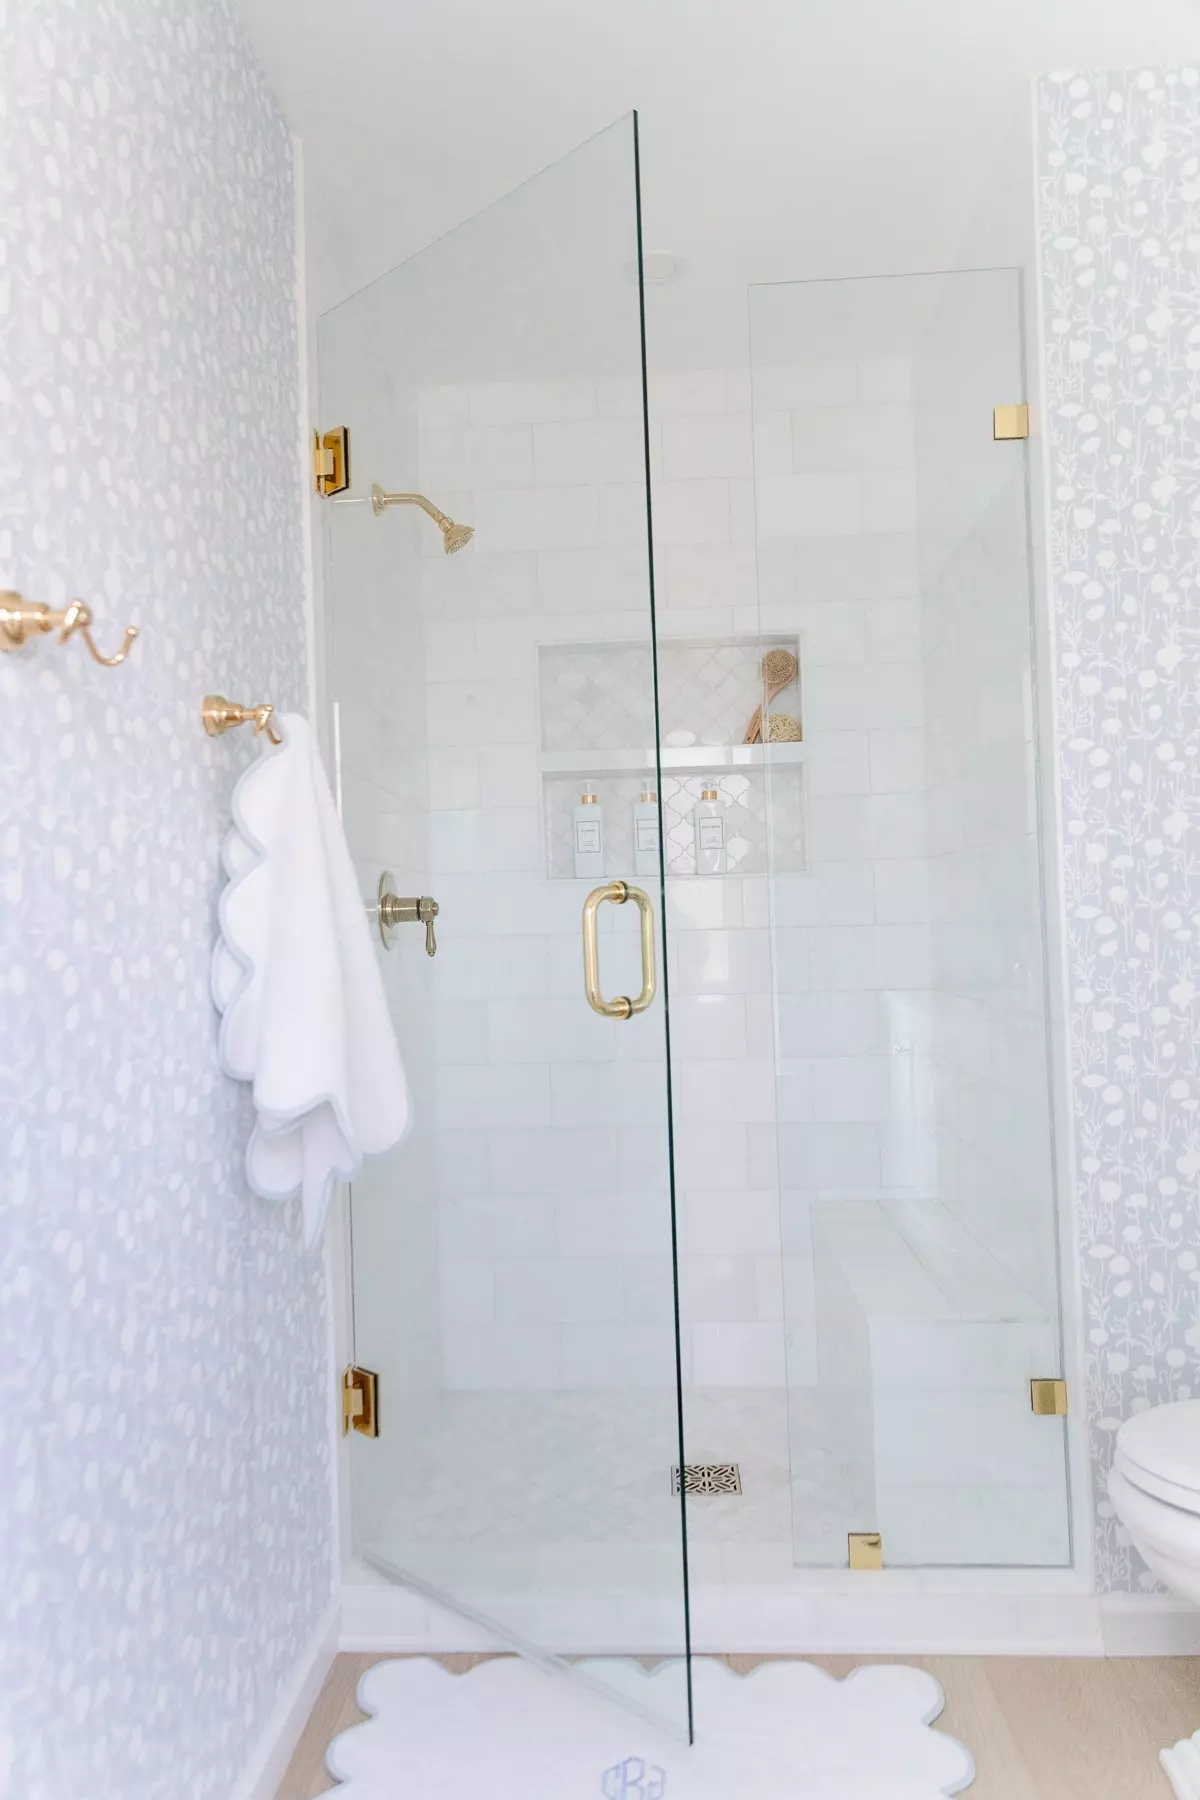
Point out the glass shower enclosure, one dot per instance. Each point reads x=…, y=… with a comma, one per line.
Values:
x=514, y=1268
x=912, y=1051
x=731, y=1070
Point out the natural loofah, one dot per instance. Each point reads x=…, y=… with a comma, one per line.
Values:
x=779, y=669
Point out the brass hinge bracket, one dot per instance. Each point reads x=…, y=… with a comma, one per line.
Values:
x=866, y=1549
x=1048, y=1398
x=1010, y=422
x=360, y=1401
x=331, y=460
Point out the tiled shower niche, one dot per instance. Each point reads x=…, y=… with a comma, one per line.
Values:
x=596, y=706
x=601, y=696
x=744, y=792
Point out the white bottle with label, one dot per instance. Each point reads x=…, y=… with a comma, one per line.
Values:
x=588, y=835
x=645, y=833
x=709, y=818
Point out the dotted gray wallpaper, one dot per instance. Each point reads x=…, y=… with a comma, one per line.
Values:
x=1119, y=175
x=165, y=1530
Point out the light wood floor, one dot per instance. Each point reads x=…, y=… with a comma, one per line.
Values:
x=1039, y=1728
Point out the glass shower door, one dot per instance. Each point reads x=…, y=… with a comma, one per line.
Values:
x=493, y=657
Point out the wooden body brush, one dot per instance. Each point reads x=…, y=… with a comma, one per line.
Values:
x=779, y=669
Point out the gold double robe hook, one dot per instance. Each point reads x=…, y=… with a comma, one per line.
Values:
x=21, y=619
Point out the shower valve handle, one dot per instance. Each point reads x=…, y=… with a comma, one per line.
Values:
x=427, y=910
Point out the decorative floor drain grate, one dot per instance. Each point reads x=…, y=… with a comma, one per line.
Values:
x=707, y=1478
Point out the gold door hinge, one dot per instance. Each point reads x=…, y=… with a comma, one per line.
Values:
x=866, y=1550
x=1048, y=1398
x=331, y=460
x=1010, y=422
x=360, y=1401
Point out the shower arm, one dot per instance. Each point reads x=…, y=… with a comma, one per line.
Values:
x=380, y=500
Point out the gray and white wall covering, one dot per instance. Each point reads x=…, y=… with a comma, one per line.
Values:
x=165, y=1527
x=1119, y=170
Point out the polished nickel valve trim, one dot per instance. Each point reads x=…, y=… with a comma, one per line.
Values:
x=391, y=910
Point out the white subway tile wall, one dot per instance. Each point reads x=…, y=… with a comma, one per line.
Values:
x=911, y=1059
x=534, y=1235
x=551, y=1184
x=828, y=1048
x=388, y=773
x=987, y=1027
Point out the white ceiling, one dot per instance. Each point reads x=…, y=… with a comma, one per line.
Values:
x=780, y=138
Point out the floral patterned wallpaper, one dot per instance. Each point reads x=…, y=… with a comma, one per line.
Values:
x=165, y=1520
x=1119, y=175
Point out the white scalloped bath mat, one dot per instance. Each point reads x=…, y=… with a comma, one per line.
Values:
x=508, y=1731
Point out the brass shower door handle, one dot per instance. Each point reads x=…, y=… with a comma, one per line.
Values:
x=621, y=1008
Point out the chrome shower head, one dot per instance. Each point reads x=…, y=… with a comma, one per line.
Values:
x=454, y=536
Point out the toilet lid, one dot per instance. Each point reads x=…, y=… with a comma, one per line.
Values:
x=1159, y=1452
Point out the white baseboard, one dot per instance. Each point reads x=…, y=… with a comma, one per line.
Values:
x=1149, y=1625
x=874, y=1619
x=379, y=1615
x=891, y=1615
x=278, y=1739
x=879, y=1615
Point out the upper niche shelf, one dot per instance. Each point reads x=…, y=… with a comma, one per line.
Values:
x=698, y=757
x=596, y=700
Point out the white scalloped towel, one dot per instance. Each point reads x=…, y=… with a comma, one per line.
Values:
x=296, y=977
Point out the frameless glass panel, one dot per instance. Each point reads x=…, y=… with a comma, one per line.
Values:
x=915, y=1148
x=514, y=1274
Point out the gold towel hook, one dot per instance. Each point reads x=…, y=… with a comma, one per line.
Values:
x=220, y=715
x=20, y=619
x=78, y=618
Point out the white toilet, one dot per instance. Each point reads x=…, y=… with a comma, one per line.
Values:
x=1154, y=1486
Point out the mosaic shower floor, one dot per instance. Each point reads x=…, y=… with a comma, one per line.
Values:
x=545, y=1508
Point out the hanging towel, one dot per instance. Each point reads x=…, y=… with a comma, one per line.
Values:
x=297, y=980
